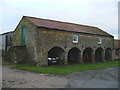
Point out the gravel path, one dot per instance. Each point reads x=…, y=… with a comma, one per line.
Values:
x=14, y=78
x=103, y=78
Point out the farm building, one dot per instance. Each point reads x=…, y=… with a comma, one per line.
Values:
x=6, y=42
x=37, y=40
x=117, y=48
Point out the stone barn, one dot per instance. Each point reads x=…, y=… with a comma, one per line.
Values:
x=68, y=42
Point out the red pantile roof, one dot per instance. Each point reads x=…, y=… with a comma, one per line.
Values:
x=116, y=44
x=66, y=26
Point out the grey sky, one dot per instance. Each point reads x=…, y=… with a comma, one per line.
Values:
x=99, y=13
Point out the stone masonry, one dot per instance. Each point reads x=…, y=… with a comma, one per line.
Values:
x=44, y=42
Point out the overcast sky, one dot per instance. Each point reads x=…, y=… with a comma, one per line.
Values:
x=99, y=13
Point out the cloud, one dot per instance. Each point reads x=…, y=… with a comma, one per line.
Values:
x=99, y=13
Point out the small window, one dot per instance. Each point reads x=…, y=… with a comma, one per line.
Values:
x=75, y=38
x=99, y=40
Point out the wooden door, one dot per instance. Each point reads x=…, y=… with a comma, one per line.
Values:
x=24, y=35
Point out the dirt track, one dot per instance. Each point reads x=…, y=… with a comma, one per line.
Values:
x=103, y=78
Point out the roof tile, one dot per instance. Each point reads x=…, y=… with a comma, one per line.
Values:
x=66, y=26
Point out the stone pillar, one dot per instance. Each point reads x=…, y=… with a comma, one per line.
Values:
x=93, y=54
x=81, y=58
x=42, y=59
x=103, y=55
x=66, y=58
x=113, y=55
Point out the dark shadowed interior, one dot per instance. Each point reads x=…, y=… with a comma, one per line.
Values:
x=99, y=55
x=108, y=54
x=87, y=55
x=74, y=55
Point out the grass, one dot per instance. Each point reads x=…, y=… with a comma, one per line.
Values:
x=64, y=70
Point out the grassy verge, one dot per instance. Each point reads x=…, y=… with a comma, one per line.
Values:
x=64, y=70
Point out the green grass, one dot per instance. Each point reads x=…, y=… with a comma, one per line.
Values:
x=64, y=70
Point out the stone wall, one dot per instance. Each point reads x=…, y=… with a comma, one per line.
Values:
x=48, y=39
x=117, y=53
x=30, y=39
x=17, y=54
x=39, y=41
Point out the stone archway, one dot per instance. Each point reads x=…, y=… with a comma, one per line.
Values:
x=108, y=54
x=74, y=55
x=58, y=54
x=99, y=54
x=88, y=55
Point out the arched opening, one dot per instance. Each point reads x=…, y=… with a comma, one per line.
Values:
x=108, y=54
x=87, y=55
x=56, y=55
x=74, y=55
x=99, y=55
